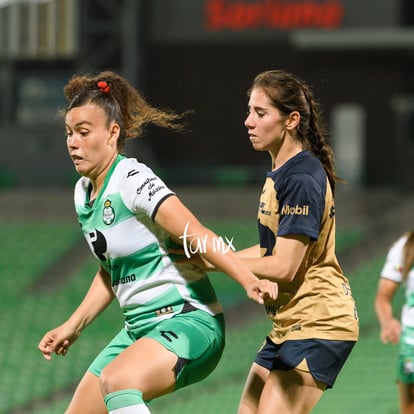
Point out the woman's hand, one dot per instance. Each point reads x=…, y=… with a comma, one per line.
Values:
x=390, y=331
x=262, y=290
x=58, y=341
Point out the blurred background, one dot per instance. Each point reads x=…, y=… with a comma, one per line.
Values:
x=198, y=55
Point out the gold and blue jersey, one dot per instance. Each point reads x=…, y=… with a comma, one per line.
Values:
x=297, y=200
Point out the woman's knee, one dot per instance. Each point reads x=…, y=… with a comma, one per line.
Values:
x=110, y=381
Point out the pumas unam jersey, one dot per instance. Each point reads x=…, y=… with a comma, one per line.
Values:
x=297, y=199
x=122, y=234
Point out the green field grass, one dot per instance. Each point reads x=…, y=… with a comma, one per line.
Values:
x=30, y=384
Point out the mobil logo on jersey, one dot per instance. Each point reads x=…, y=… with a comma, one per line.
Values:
x=298, y=210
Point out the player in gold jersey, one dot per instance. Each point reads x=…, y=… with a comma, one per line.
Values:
x=314, y=318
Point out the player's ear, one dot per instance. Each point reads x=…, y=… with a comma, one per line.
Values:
x=293, y=120
x=114, y=131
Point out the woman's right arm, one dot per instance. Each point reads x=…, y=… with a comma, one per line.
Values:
x=249, y=252
x=390, y=326
x=98, y=297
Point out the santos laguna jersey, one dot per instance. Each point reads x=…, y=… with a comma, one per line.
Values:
x=393, y=268
x=122, y=234
x=297, y=200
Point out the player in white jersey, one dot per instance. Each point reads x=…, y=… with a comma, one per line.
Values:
x=174, y=326
x=399, y=269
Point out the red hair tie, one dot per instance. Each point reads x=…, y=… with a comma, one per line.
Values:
x=103, y=86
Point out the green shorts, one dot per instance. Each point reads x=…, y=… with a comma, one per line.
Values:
x=405, y=370
x=196, y=337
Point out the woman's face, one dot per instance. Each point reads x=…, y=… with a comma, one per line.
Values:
x=266, y=125
x=92, y=145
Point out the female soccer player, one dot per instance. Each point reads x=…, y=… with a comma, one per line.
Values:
x=174, y=326
x=314, y=318
x=399, y=269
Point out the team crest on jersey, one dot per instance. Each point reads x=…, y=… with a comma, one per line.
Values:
x=108, y=215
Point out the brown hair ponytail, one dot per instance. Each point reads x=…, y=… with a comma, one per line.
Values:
x=317, y=137
x=121, y=103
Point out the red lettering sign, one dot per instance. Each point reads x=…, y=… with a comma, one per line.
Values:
x=236, y=15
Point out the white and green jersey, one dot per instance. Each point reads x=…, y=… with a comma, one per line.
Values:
x=392, y=270
x=122, y=234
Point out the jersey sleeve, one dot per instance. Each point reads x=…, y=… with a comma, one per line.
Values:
x=393, y=265
x=301, y=206
x=145, y=191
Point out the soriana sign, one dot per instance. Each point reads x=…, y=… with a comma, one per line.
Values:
x=272, y=14
x=206, y=21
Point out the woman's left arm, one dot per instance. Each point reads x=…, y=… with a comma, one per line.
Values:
x=178, y=220
x=390, y=325
x=283, y=265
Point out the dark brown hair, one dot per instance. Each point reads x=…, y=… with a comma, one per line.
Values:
x=289, y=93
x=121, y=102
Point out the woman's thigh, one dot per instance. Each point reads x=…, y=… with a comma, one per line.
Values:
x=256, y=379
x=294, y=392
x=146, y=365
x=406, y=392
x=178, y=352
x=88, y=397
